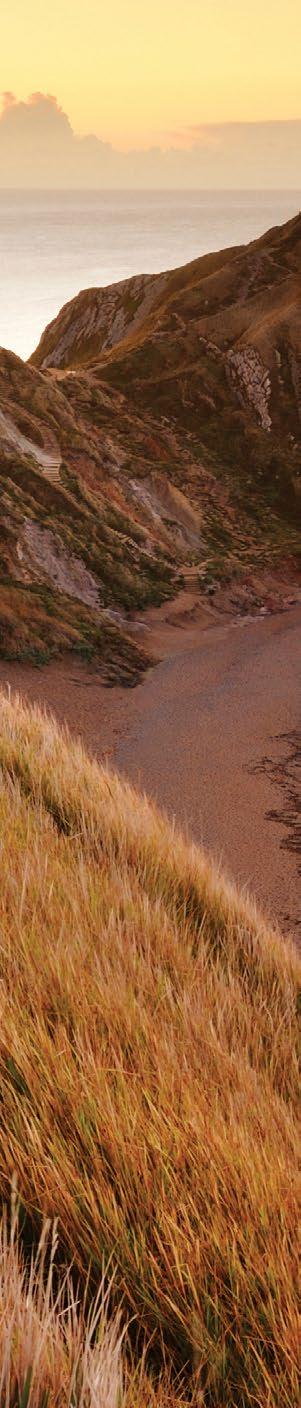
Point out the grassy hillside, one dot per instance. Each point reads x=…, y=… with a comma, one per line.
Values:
x=157, y=427
x=215, y=346
x=73, y=564
x=149, y=1091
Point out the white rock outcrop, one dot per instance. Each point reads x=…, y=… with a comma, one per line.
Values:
x=251, y=381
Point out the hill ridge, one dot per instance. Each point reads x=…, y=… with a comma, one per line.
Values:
x=149, y=1078
x=171, y=405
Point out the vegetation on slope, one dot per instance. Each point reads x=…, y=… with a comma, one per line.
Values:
x=50, y=1350
x=157, y=426
x=149, y=1075
x=56, y=1346
x=66, y=534
x=72, y=568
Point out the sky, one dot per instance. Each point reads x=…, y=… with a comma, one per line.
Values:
x=170, y=78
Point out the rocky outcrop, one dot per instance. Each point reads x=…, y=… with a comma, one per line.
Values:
x=157, y=428
x=97, y=320
x=42, y=557
x=251, y=382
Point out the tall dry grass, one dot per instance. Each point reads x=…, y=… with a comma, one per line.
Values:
x=55, y=1348
x=149, y=1069
x=49, y=1351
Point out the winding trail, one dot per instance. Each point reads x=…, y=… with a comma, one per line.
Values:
x=49, y=460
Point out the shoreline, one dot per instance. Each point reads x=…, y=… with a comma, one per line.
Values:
x=200, y=736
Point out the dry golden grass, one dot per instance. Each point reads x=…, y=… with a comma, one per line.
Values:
x=55, y=1348
x=49, y=1352
x=149, y=1072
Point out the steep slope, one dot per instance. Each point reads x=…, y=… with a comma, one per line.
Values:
x=149, y=1074
x=156, y=428
x=101, y=318
x=249, y=293
x=219, y=350
x=98, y=319
x=72, y=562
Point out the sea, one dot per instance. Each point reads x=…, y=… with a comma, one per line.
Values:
x=54, y=243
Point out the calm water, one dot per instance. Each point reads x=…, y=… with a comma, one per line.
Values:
x=52, y=244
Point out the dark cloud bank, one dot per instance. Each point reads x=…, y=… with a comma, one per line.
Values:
x=38, y=148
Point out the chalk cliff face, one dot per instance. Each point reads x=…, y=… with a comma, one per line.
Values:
x=215, y=347
x=157, y=426
x=97, y=320
x=243, y=301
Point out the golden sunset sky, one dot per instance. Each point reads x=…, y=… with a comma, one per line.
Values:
x=136, y=72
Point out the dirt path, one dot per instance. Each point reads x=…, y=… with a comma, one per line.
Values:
x=213, y=732
x=48, y=460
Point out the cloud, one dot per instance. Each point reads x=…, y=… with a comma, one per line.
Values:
x=40, y=115
x=38, y=148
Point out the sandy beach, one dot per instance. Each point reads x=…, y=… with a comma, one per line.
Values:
x=213, y=733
